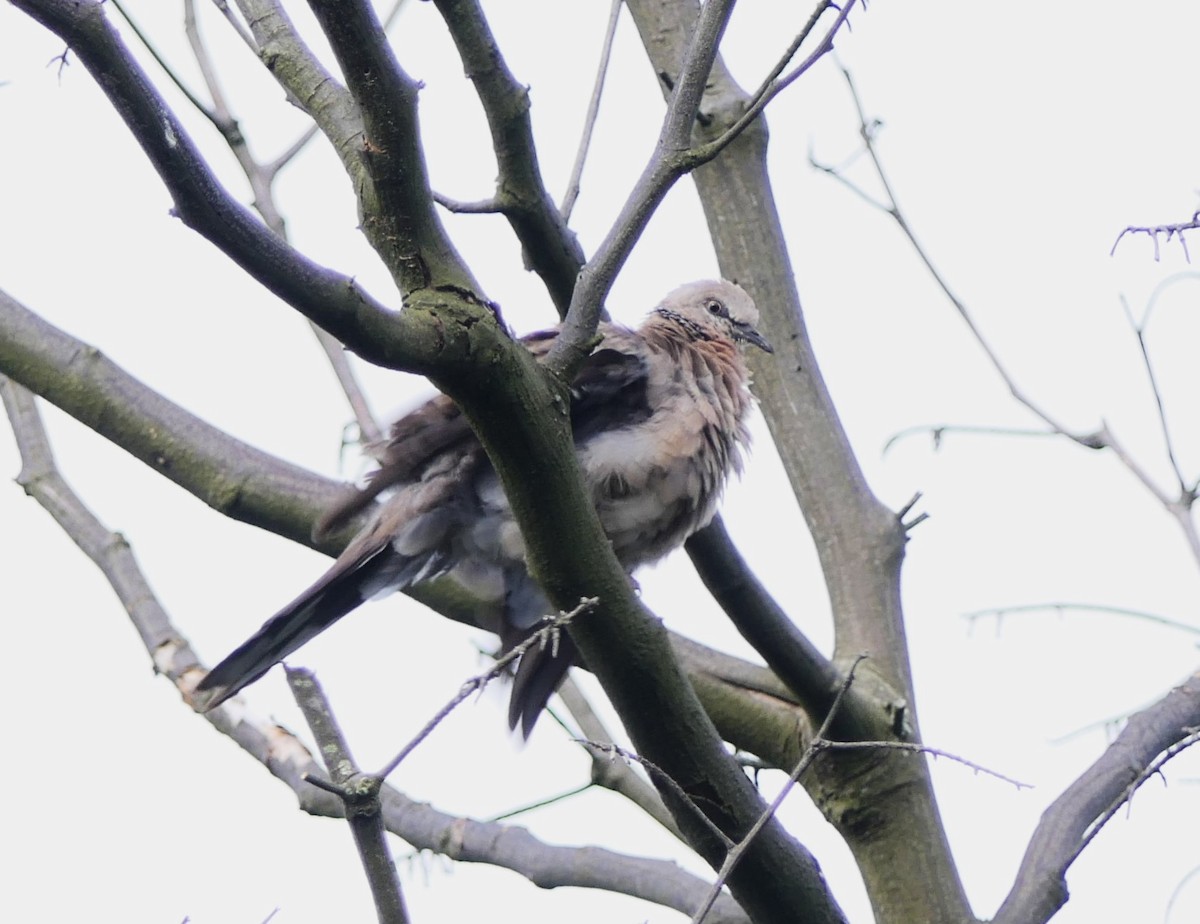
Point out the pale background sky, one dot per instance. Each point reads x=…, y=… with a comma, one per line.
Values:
x=1021, y=138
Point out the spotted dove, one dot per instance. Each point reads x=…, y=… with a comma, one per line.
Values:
x=659, y=420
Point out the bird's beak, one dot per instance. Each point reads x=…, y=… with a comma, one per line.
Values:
x=747, y=334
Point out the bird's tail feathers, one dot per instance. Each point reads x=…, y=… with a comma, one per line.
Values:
x=538, y=675
x=334, y=595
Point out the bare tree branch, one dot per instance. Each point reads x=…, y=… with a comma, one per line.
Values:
x=666, y=165
x=1153, y=231
x=1149, y=739
x=546, y=635
x=238, y=27
x=262, y=178
x=358, y=793
x=859, y=541
x=593, y=110
x=773, y=85
x=1064, y=606
x=397, y=211
x=307, y=83
x=615, y=775
x=330, y=299
x=738, y=851
x=1103, y=438
x=550, y=248
x=809, y=674
x=1139, y=331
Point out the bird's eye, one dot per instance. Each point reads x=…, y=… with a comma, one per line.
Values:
x=715, y=307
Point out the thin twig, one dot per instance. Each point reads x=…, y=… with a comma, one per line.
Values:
x=1177, y=891
x=664, y=167
x=285, y=158
x=238, y=27
x=541, y=803
x=1175, y=230
x=773, y=85
x=912, y=747
x=892, y=208
x=738, y=851
x=617, y=776
x=615, y=750
x=393, y=14
x=546, y=635
x=162, y=63
x=1103, y=438
x=1139, y=331
x=477, y=207
x=593, y=110
x=938, y=431
x=1063, y=607
x=262, y=178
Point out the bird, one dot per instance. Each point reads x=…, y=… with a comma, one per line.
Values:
x=659, y=421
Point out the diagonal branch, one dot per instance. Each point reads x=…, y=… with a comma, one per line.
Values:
x=1102, y=438
x=331, y=299
x=550, y=248
x=262, y=179
x=773, y=85
x=1075, y=817
x=308, y=84
x=593, y=110
x=737, y=851
x=359, y=795
x=788, y=652
x=859, y=541
x=666, y=165
x=1139, y=331
x=398, y=216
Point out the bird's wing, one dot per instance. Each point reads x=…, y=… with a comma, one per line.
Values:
x=609, y=392
x=414, y=442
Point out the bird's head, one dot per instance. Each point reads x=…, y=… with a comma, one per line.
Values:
x=715, y=309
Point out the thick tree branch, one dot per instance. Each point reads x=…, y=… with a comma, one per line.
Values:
x=902, y=851
x=809, y=674
x=550, y=248
x=397, y=212
x=332, y=300
x=307, y=83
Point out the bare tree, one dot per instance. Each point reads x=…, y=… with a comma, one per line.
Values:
x=844, y=726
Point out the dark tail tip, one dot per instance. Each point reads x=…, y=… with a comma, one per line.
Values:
x=538, y=675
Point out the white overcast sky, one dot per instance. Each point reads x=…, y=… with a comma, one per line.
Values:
x=1020, y=137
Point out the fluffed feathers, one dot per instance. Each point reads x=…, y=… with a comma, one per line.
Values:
x=658, y=416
